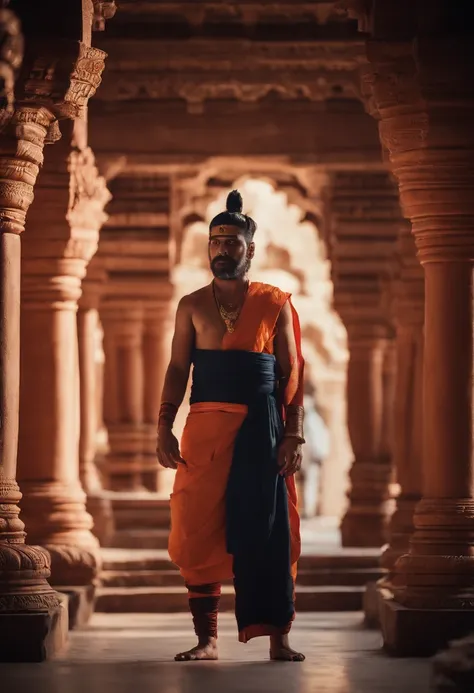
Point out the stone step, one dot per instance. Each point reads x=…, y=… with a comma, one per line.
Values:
x=169, y=576
x=157, y=559
x=141, y=578
x=140, y=510
x=174, y=599
x=140, y=538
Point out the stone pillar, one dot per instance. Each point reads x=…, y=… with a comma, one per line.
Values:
x=365, y=522
x=426, y=129
x=31, y=616
x=34, y=619
x=363, y=226
x=63, y=233
x=133, y=311
x=407, y=439
x=155, y=361
x=407, y=306
x=123, y=394
x=98, y=503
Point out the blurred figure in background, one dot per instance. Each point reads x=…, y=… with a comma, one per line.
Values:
x=315, y=451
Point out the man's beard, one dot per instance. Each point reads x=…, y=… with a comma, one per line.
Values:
x=228, y=268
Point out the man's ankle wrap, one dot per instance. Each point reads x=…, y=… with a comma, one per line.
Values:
x=204, y=607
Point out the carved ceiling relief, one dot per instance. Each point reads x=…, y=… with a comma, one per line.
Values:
x=195, y=92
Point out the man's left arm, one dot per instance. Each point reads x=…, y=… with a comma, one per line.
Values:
x=290, y=365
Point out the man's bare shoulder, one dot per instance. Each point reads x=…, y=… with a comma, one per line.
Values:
x=194, y=299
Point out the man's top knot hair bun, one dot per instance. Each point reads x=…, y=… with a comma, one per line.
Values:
x=234, y=202
x=233, y=216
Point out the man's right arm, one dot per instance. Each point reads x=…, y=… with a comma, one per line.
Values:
x=176, y=380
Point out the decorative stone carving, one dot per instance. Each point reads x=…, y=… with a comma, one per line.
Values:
x=61, y=75
x=88, y=197
x=103, y=10
x=11, y=55
x=24, y=570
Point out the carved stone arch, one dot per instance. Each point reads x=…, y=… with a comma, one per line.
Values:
x=303, y=269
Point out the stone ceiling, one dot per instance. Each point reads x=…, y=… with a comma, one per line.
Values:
x=202, y=79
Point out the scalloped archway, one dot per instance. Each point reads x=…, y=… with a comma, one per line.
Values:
x=290, y=254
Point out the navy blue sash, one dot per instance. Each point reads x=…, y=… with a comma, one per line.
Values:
x=257, y=522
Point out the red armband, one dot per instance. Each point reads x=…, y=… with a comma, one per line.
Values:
x=294, y=423
x=167, y=414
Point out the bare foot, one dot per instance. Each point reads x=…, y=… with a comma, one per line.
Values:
x=203, y=651
x=280, y=650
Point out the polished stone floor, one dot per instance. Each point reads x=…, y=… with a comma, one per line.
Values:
x=124, y=653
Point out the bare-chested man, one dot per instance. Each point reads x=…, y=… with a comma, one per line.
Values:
x=233, y=506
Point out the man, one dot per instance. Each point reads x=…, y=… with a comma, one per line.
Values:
x=233, y=506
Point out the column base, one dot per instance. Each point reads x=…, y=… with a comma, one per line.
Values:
x=370, y=605
x=100, y=507
x=81, y=604
x=363, y=530
x=411, y=632
x=36, y=636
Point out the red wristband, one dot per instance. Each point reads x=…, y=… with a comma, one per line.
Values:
x=167, y=414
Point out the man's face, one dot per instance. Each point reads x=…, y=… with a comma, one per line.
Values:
x=229, y=255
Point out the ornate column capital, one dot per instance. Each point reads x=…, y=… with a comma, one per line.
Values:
x=423, y=93
x=61, y=76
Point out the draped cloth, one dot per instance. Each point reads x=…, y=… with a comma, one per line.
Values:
x=229, y=507
x=257, y=521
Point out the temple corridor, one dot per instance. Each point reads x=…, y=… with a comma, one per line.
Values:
x=347, y=127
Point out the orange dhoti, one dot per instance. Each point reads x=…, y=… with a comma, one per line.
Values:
x=197, y=541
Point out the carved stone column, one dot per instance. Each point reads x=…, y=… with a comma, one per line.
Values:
x=364, y=211
x=63, y=232
x=155, y=360
x=407, y=439
x=424, y=94
x=98, y=503
x=407, y=307
x=133, y=311
x=123, y=394
x=365, y=522
x=31, y=616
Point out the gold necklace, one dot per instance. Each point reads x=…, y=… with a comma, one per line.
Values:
x=229, y=317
